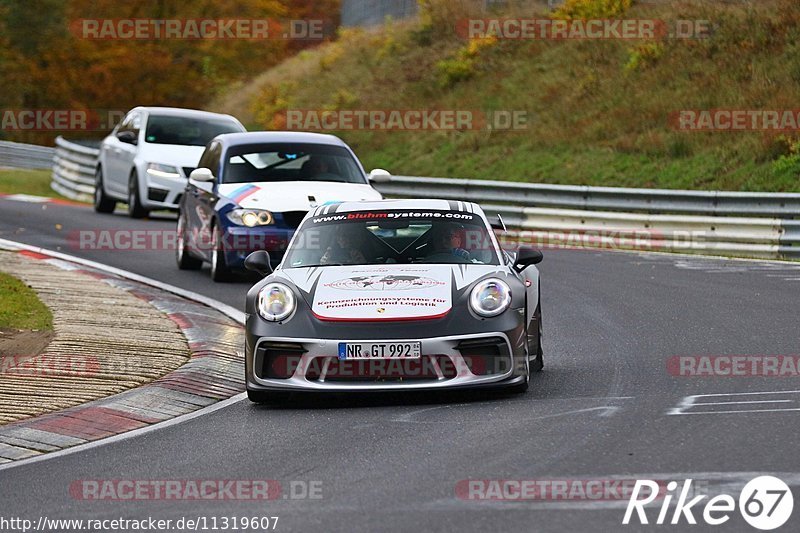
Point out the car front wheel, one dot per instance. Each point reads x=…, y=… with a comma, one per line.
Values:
x=135, y=207
x=182, y=257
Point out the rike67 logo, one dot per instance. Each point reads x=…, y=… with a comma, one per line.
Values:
x=765, y=503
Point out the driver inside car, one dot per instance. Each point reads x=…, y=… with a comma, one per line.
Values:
x=450, y=240
x=317, y=168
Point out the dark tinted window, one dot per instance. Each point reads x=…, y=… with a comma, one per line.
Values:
x=186, y=131
x=210, y=158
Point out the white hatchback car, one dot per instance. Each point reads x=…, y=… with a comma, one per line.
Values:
x=147, y=158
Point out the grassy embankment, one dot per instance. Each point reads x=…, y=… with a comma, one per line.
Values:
x=20, y=308
x=598, y=110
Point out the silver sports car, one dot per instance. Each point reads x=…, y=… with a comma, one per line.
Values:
x=393, y=294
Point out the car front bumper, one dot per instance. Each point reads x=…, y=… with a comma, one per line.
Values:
x=457, y=361
x=161, y=193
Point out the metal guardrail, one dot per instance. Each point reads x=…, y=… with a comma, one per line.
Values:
x=598, y=198
x=20, y=155
x=73, y=170
x=765, y=225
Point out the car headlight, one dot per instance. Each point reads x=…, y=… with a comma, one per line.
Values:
x=163, y=171
x=251, y=217
x=275, y=302
x=490, y=297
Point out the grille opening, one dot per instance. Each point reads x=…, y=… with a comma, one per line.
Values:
x=157, y=195
x=486, y=357
x=279, y=360
x=178, y=199
x=293, y=218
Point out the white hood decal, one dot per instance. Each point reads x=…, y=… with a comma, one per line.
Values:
x=281, y=196
x=383, y=292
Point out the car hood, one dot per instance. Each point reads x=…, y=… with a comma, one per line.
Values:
x=178, y=155
x=283, y=196
x=384, y=292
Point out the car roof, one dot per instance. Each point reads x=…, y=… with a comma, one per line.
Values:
x=264, y=137
x=404, y=204
x=182, y=112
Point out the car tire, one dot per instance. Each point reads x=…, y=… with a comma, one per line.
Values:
x=267, y=397
x=219, y=268
x=537, y=363
x=102, y=202
x=182, y=256
x=135, y=208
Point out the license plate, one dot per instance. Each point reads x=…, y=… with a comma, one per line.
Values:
x=379, y=350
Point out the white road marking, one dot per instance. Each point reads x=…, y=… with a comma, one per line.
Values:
x=688, y=405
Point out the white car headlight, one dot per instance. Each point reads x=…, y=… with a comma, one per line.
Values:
x=163, y=171
x=251, y=217
x=275, y=302
x=490, y=297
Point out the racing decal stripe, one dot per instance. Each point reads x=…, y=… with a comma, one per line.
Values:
x=239, y=194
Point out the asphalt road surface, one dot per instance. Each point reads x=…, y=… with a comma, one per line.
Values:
x=605, y=408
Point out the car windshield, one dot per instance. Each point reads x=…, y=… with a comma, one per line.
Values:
x=186, y=131
x=290, y=162
x=392, y=237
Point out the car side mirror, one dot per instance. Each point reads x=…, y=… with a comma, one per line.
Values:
x=128, y=137
x=202, y=175
x=259, y=262
x=378, y=175
x=527, y=256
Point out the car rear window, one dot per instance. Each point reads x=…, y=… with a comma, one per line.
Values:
x=186, y=131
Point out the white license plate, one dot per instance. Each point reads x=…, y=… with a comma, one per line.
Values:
x=379, y=350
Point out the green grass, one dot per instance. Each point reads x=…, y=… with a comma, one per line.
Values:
x=20, y=308
x=598, y=110
x=19, y=181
